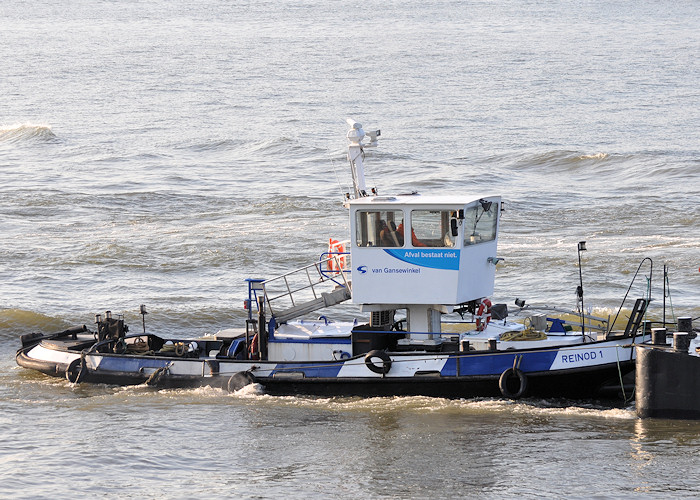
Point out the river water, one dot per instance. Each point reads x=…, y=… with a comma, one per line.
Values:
x=160, y=153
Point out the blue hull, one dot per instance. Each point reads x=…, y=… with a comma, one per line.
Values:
x=571, y=372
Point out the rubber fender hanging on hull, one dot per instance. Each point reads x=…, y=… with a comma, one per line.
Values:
x=75, y=372
x=506, y=383
x=239, y=380
x=382, y=368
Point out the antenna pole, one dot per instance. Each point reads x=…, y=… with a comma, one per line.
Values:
x=355, y=136
x=355, y=149
x=665, y=280
x=579, y=291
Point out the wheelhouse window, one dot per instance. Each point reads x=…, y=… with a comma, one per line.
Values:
x=480, y=222
x=378, y=228
x=432, y=228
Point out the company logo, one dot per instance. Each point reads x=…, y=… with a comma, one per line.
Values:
x=362, y=269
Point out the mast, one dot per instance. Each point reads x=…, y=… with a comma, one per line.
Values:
x=355, y=150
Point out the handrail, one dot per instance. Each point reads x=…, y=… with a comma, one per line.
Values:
x=301, y=280
x=651, y=268
x=342, y=263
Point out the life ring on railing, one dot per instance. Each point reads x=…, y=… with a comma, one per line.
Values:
x=382, y=369
x=336, y=255
x=506, y=387
x=483, y=314
x=253, y=350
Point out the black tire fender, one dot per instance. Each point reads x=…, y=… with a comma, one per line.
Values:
x=382, y=369
x=239, y=380
x=75, y=372
x=503, y=385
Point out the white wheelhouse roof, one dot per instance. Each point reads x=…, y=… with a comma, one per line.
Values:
x=410, y=200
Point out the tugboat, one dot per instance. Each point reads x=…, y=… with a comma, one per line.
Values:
x=410, y=261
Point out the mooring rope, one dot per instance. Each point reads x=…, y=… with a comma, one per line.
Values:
x=619, y=373
x=157, y=375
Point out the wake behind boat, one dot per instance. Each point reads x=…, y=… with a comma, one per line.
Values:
x=410, y=261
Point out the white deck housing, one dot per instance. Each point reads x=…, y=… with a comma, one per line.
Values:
x=422, y=270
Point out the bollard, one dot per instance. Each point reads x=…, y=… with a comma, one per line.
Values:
x=658, y=336
x=464, y=346
x=492, y=344
x=686, y=325
x=681, y=342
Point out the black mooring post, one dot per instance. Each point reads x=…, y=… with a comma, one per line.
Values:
x=262, y=329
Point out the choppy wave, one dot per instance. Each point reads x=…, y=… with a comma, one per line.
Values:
x=641, y=165
x=558, y=158
x=597, y=156
x=26, y=132
x=176, y=320
x=280, y=145
x=15, y=322
x=215, y=145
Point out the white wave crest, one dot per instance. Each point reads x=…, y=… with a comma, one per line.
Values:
x=26, y=132
x=597, y=156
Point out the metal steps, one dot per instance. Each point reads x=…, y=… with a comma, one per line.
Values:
x=325, y=300
x=640, y=308
x=634, y=322
x=307, y=289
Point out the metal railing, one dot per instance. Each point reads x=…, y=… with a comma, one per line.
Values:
x=307, y=289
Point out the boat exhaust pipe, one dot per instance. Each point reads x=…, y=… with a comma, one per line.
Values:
x=35, y=338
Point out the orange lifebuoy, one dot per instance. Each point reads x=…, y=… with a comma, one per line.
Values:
x=483, y=314
x=336, y=254
x=254, y=348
